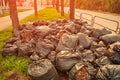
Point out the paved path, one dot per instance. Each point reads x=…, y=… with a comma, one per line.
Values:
x=5, y=21
x=106, y=23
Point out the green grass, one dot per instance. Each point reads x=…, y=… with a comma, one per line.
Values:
x=47, y=14
x=18, y=63
x=21, y=63
x=5, y=35
x=2, y=78
x=11, y=62
x=6, y=13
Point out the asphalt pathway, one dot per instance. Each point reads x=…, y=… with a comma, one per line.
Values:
x=6, y=21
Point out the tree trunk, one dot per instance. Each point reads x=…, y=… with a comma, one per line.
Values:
x=35, y=8
x=72, y=9
x=57, y=5
x=14, y=16
x=6, y=4
x=67, y=3
x=53, y=3
x=41, y=3
x=62, y=7
x=2, y=6
x=47, y=2
x=1, y=10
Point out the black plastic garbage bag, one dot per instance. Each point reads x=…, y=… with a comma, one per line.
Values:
x=82, y=71
x=78, y=72
x=115, y=52
x=108, y=72
x=25, y=49
x=116, y=47
x=42, y=70
x=9, y=50
x=115, y=58
x=65, y=60
x=110, y=38
x=87, y=55
x=91, y=70
x=102, y=61
x=97, y=32
x=84, y=40
x=99, y=52
x=44, y=47
x=12, y=40
x=41, y=31
x=67, y=42
x=52, y=56
x=71, y=28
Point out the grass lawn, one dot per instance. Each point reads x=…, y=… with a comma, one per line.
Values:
x=20, y=63
x=47, y=14
x=6, y=13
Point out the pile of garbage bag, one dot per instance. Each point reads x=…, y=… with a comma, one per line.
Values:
x=71, y=47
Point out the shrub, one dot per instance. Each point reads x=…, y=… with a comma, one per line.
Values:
x=103, y=5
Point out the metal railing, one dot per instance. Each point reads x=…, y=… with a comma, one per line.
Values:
x=81, y=16
x=93, y=21
x=102, y=25
x=90, y=17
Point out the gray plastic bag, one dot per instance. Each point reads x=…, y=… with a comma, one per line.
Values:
x=78, y=72
x=110, y=38
x=42, y=70
x=82, y=71
x=65, y=60
x=84, y=40
x=67, y=42
x=108, y=72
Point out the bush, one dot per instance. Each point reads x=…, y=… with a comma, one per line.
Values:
x=102, y=5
